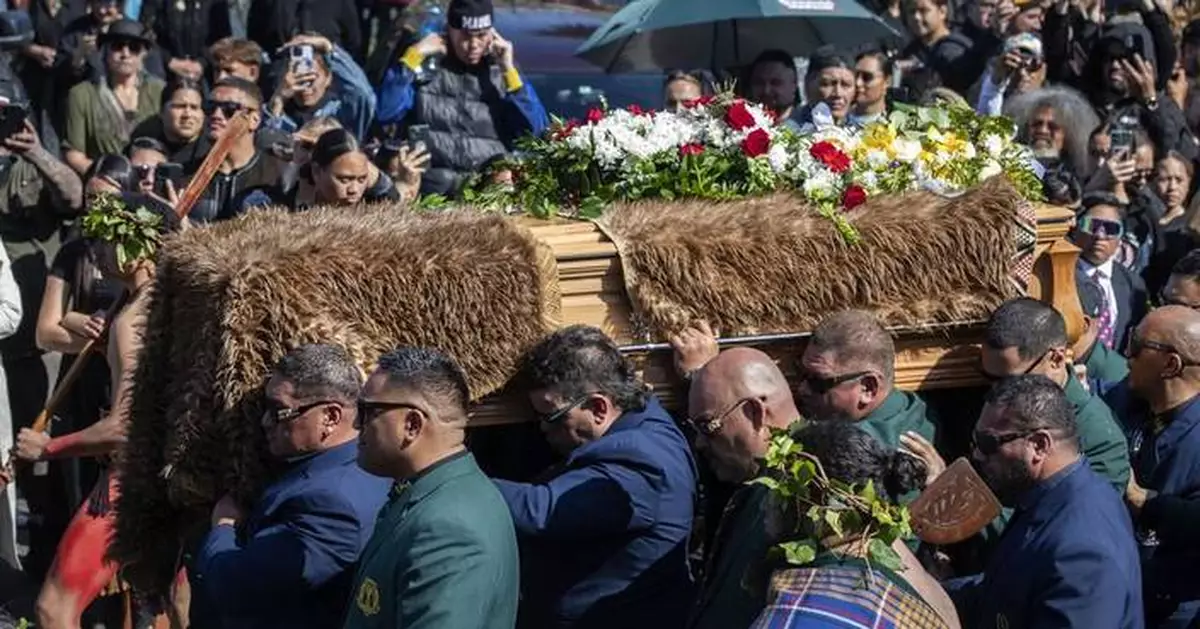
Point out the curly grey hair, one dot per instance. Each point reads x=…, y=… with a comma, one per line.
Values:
x=1073, y=113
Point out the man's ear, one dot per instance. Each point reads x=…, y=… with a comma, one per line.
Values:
x=872, y=386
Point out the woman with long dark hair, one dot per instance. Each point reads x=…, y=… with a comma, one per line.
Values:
x=338, y=173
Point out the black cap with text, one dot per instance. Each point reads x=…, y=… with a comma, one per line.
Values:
x=470, y=15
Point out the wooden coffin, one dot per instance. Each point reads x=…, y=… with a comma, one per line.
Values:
x=593, y=293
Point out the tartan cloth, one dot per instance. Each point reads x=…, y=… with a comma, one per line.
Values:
x=843, y=596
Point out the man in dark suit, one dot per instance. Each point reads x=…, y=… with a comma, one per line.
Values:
x=604, y=536
x=1068, y=556
x=1164, y=371
x=1098, y=233
x=291, y=565
x=444, y=554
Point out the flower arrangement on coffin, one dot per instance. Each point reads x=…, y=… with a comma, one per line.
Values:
x=725, y=148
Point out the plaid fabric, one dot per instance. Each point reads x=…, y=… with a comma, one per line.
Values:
x=843, y=596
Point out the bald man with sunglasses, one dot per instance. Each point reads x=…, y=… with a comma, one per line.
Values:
x=1164, y=371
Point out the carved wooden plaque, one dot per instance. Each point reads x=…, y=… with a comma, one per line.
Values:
x=957, y=505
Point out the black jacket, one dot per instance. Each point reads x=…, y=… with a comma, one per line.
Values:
x=272, y=23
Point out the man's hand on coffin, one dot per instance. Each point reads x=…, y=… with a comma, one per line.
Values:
x=917, y=447
x=226, y=512
x=31, y=445
x=694, y=347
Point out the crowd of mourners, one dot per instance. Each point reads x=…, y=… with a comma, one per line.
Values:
x=380, y=515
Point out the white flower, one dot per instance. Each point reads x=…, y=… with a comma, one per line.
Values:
x=906, y=150
x=993, y=145
x=877, y=159
x=868, y=180
x=821, y=185
x=779, y=157
x=989, y=170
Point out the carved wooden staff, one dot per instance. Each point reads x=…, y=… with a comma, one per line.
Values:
x=238, y=126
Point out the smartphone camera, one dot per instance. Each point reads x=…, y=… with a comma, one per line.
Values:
x=168, y=172
x=302, y=61
x=12, y=119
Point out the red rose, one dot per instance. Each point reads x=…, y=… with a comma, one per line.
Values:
x=703, y=101
x=565, y=130
x=738, y=116
x=595, y=114
x=636, y=109
x=853, y=197
x=691, y=149
x=757, y=143
x=831, y=156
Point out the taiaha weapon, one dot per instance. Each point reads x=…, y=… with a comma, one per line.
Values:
x=238, y=126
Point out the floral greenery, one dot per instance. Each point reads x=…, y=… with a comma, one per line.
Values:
x=135, y=234
x=827, y=510
x=724, y=148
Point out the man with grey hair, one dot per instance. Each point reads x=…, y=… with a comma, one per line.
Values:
x=1164, y=371
x=292, y=564
x=847, y=373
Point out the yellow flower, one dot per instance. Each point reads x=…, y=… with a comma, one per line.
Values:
x=878, y=136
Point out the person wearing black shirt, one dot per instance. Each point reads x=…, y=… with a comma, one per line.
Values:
x=246, y=166
x=180, y=125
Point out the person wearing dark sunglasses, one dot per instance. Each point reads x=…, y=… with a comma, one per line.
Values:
x=1164, y=373
x=1027, y=337
x=847, y=373
x=1068, y=553
x=102, y=113
x=317, y=513
x=623, y=498
x=1183, y=285
x=445, y=526
x=1098, y=232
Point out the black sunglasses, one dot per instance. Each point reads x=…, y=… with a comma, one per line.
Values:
x=821, y=386
x=558, y=414
x=227, y=107
x=369, y=410
x=1136, y=345
x=132, y=45
x=276, y=414
x=1167, y=300
x=988, y=445
x=1028, y=370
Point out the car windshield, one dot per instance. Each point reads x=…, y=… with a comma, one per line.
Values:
x=545, y=38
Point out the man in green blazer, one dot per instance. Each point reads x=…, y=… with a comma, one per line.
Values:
x=444, y=553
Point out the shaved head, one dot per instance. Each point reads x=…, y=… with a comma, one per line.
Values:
x=735, y=401
x=743, y=372
x=1164, y=357
x=1176, y=326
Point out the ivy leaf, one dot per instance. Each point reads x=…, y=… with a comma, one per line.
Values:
x=882, y=554
x=833, y=519
x=800, y=553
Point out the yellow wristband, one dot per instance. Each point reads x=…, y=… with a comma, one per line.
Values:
x=512, y=80
x=413, y=58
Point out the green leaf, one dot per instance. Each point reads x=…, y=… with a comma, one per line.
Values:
x=833, y=519
x=799, y=553
x=766, y=481
x=883, y=555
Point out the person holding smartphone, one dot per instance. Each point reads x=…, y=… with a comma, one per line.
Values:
x=321, y=80
x=471, y=108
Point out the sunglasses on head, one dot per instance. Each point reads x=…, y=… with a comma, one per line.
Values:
x=820, y=386
x=1101, y=227
x=227, y=108
x=132, y=45
x=989, y=444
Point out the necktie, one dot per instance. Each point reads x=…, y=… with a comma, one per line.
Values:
x=1106, y=313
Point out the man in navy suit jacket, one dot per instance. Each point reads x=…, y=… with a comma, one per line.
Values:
x=604, y=536
x=1068, y=556
x=288, y=561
